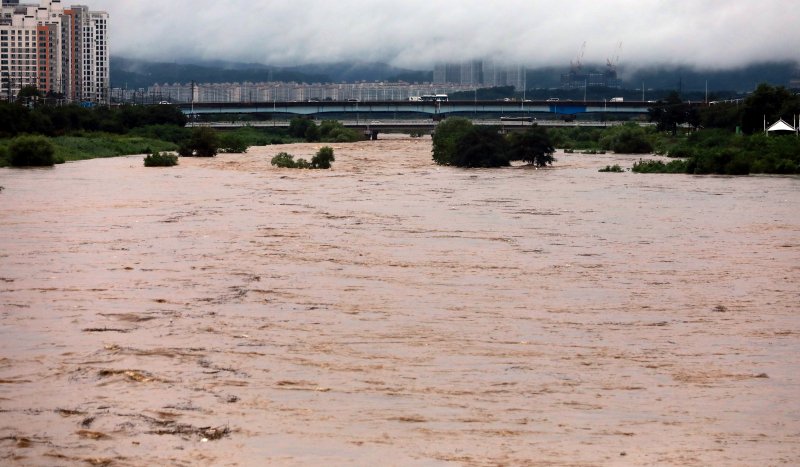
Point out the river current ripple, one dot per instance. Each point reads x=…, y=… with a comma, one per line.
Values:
x=392, y=312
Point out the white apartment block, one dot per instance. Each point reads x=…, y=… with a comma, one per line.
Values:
x=286, y=92
x=56, y=49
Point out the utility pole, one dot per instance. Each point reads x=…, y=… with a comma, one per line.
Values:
x=192, y=113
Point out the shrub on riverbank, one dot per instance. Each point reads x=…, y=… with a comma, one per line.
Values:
x=576, y=138
x=97, y=145
x=332, y=131
x=329, y=131
x=160, y=160
x=629, y=138
x=203, y=142
x=232, y=143
x=30, y=151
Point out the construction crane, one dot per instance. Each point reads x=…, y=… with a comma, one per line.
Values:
x=613, y=61
x=576, y=65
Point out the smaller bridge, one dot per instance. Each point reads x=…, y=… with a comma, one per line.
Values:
x=372, y=128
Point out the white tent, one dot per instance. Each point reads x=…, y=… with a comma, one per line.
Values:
x=780, y=125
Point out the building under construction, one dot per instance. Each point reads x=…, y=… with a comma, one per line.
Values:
x=579, y=78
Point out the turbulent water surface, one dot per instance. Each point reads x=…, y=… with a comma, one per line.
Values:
x=392, y=312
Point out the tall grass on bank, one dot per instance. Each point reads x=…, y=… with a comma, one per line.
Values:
x=97, y=145
x=263, y=136
x=153, y=138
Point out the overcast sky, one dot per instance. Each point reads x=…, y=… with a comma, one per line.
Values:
x=416, y=33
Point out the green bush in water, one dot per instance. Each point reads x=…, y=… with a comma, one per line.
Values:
x=160, y=160
x=323, y=158
x=611, y=168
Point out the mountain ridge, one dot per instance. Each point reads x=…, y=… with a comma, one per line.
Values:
x=135, y=73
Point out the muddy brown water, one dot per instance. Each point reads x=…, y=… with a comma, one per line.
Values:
x=392, y=312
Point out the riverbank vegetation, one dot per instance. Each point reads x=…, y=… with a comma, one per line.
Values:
x=76, y=132
x=31, y=151
x=723, y=138
x=328, y=131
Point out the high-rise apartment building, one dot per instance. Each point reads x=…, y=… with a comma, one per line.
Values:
x=479, y=73
x=55, y=49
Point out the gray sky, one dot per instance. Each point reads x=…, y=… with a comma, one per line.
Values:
x=707, y=34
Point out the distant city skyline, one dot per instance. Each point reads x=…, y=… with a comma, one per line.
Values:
x=417, y=34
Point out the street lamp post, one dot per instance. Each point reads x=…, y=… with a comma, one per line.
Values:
x=585, y=85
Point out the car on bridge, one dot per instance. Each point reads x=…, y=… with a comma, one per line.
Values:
x=552, y=99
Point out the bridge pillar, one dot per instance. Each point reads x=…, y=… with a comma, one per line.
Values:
x=371, y=135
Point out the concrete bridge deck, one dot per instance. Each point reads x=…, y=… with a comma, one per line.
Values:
x=431, y=109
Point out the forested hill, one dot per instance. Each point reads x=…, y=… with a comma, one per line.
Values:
x=141, y=74
x=688, y=79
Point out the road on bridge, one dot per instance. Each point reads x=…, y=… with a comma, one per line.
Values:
x=411, y=124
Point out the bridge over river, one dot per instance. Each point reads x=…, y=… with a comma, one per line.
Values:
x=375, y=110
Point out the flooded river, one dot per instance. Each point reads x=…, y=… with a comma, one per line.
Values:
x=392, y=312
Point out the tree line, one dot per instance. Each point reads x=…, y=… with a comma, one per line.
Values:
x=767, y=102
x=48, y=120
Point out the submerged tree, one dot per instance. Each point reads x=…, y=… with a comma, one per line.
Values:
x=481, y=147
x=323, y=158
x=532, y=146
x=446, y=137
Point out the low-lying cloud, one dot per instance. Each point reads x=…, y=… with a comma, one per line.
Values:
x=710, y=34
